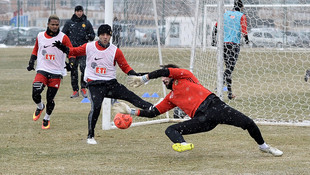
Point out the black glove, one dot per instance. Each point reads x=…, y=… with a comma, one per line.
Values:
x=31, y=63
x=72, y=61
x=61, y=47
x=68, y=67
x=246, y=39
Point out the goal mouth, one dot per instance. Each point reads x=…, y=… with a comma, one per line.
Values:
x=268, y=77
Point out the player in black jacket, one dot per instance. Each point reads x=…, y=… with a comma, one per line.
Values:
x=80, y=31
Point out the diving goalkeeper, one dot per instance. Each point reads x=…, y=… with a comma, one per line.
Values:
x=205, y=108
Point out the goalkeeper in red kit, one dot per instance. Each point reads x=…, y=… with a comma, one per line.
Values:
x=204, y=108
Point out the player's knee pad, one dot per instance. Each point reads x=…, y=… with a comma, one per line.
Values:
x=38, y=87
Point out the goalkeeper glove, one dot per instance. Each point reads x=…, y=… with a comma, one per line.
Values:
x=61, y=47
x=123, y=108
x=136, y=81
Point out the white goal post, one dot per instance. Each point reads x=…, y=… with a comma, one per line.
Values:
x=268, y=81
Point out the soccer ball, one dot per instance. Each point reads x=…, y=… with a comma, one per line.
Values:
x=122, y=121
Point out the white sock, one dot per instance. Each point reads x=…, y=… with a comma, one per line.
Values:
x=264, y=146
x=47, y=117
x=40, y=105
x=183, y=143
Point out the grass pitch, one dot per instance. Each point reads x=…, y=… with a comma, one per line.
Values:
x=27, y=149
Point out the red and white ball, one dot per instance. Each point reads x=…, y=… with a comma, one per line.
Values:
x=122, y=121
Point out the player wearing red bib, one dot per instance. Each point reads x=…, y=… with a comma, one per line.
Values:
x=205, y=108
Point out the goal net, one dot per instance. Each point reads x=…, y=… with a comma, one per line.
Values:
x=268, y=80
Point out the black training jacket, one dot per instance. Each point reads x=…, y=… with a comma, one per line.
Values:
x=79, y=30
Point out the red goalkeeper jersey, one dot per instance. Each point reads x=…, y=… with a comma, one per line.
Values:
x=187, y=93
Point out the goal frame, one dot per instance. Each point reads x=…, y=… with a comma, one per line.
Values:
x=106, y=114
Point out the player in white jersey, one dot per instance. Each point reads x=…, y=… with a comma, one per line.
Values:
x=50, y=68
x=100, y=75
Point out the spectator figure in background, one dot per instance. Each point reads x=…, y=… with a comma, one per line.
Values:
x=80, y=31
x=117, y=28
x=235, y=25
x=100, y=75
x=307, y=76
x=50, y=68
x=204, y=108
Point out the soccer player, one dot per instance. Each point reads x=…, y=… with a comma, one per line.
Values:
x=80, y=31
x=100, y=75
x=307, y=75
x=50, y=68
x=235, y=24
x=204, y=108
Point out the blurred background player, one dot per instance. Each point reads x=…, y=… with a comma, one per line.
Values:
x=80, y=31
x=100, y=75
x=117, y=28
x=235, y=24
x=204, y=108
x=50, y=68
x=307, y=76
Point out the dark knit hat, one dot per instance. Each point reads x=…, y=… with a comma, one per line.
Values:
x=238, y=5
x=105, y=28
x=78, y=8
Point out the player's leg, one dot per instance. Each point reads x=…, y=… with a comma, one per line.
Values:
x=75, y=78
x=96, y=95
x=231, y=116
x=231, y=52
x=50, y=105
x=82, y=62
x=53, y=85
x=307, y=76
x=119, y=91
x=196, y=125
x=226, y=54
x=37, y=88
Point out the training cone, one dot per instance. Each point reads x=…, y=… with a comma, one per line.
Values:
x=146, y=95
x=85, y=100
x=155, y=95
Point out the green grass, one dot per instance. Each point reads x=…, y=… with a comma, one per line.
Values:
x=27, y=149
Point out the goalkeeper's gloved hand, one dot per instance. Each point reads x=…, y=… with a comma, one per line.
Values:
x=61, y=47
x=123, y=108
x=136, y=81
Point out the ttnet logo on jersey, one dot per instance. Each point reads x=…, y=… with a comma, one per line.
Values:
x=49, y=57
